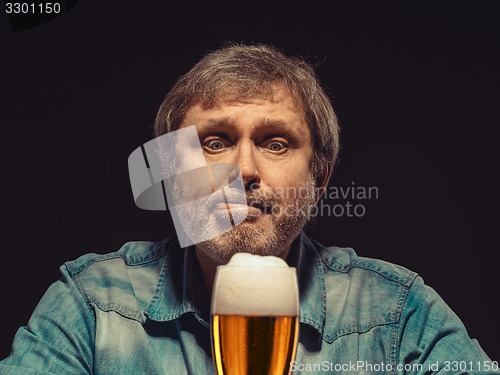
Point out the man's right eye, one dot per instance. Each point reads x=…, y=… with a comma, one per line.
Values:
x=214, y=144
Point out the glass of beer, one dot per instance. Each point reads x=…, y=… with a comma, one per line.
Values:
x=255, y=309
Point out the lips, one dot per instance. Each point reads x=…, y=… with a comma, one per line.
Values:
x=256, y=204
x=240, y=208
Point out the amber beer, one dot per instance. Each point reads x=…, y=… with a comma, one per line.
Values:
x=254, y=316
x=254, y=344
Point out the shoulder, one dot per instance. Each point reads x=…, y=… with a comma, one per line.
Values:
x=361, y=293
x=338, y=261
x=131, y=254
x=394, y=308
x=123, y=281
x=345, y=260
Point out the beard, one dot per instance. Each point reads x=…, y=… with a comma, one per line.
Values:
x=283, y=215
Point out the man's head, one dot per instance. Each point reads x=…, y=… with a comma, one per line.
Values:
x=257, y=108
x=249, y=71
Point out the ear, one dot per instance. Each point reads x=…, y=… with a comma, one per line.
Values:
x=322, y=182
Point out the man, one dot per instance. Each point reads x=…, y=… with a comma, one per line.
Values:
x=145, y=308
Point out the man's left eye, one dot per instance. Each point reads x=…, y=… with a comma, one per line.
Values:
x=276, y=146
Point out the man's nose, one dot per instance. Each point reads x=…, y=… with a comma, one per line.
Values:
x=247, y=163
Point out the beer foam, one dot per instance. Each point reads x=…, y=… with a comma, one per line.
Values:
x=255, y=285
x=251, y=260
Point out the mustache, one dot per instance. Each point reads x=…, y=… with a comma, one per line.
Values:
x=262, y=200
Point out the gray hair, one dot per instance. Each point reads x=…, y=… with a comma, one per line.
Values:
x=238, y=71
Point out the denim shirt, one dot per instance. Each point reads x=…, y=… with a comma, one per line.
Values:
x=142, y=310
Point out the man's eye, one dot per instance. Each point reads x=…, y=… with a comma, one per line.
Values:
x=276, y=146
x=214, y=144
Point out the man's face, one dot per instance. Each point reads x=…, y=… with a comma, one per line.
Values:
x=270, y=142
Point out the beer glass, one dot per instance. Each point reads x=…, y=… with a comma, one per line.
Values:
x=255, y=309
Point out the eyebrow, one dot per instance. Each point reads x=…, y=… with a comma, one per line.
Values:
x=218, y=123
x=263, y=124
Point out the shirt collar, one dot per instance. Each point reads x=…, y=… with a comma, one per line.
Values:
x=304, y=256
x=179, y=289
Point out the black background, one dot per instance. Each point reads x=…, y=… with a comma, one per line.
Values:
x=416, y=88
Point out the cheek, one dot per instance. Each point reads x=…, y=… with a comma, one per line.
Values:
x=286, y=174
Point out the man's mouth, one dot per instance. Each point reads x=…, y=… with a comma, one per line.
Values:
x=251, y=209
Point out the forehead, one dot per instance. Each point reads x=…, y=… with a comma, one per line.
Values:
x=279, y=110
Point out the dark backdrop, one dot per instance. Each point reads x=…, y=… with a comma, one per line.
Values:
x=416, y=89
